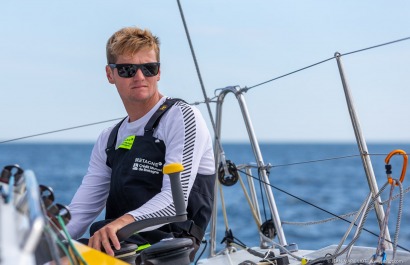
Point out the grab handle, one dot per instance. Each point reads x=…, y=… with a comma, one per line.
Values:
x=173, y=171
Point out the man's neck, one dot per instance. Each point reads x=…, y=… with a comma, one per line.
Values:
x=138, y=109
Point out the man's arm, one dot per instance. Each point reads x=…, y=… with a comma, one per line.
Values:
x=187, y=140
x=90, y=198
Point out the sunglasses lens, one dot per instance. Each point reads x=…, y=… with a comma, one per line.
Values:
x=150, y=69
x=127, y=71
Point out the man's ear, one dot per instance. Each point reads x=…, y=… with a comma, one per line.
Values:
x=159, y=74
x=110, y=74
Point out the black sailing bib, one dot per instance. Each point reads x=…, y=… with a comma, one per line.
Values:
x=137, y=177
x=136, y=167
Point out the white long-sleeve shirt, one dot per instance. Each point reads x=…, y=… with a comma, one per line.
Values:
x=174, y=129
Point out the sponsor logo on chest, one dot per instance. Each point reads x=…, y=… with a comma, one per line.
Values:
x=144, y=165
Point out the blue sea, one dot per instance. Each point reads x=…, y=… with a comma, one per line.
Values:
x=329, y=176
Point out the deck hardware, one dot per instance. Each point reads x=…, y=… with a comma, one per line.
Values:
x=388, y=166
x=232, y=178
x=268, y=229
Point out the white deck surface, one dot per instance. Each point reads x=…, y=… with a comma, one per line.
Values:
x=358, y=255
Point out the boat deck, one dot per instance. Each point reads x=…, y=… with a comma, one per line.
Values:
x=359, y=255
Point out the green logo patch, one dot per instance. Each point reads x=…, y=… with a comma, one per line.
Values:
x=127, y=144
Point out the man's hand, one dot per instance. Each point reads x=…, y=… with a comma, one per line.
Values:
x=107, y=234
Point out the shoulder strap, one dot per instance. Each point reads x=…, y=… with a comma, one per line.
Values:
x=156, y=117
x=112, y=139
x=148, y=129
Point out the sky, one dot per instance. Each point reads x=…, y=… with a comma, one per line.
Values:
x=53, y=58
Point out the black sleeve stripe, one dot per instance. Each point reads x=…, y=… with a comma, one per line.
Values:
x=190, y=147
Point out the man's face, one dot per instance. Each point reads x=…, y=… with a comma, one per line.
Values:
x=138, y=88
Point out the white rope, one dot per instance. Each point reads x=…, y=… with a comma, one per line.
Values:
x=338, y=218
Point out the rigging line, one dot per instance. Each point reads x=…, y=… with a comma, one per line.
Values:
x=293, y=72
x=262, y=193
x=321, y=160
x=328, y=59
x=376, y=46
x=207, y=100
x=294, y=196
x=80, y=126
x=314, y=161
x=212, y=100
x=60, y=130
x=199, y=74
x=313, y=205
x=343, y=215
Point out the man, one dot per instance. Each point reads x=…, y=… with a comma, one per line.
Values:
x=125, y=169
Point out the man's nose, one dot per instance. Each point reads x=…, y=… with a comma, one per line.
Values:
x=139, y=75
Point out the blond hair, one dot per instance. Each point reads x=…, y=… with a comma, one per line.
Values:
x=130, y=40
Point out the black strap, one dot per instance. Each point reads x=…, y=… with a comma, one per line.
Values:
x=191, y=228
x=112, y=139
x=148, y=129
x=156, y=117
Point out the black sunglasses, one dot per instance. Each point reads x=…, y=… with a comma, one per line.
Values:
x=129, y=70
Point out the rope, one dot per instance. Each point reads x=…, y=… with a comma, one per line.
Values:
x=207, y=100
x=51, y=236
x=359, y=230
x=191, y=47
x=60, y=130
x=376, y=46
x=398, y=223
x=361, y=210
x=397, y=195
x=70, y=241
x=380, y=251
x=315, y=161
x=320, y=221
x=296, y=197
x=324, y=210
x=343, y=215
x=269, y=166
x=291, y=73
x=380, y=245
x=253, y=210
x=328, y=59
x=280, y=247
x=223, y=206
x=325, y=159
